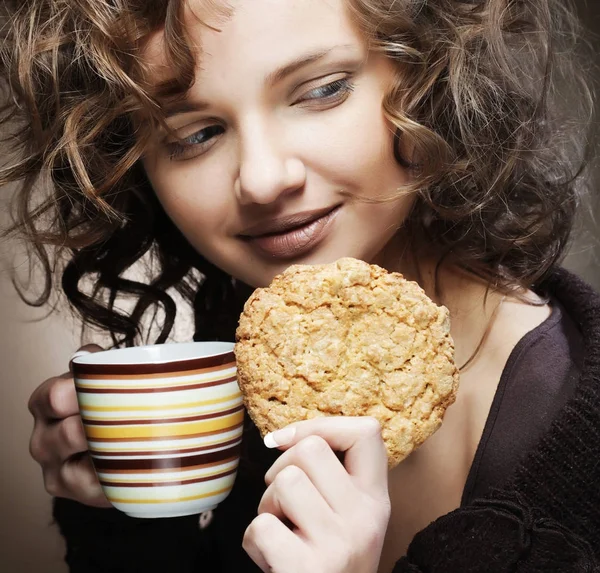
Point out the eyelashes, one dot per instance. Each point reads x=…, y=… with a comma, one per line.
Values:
x=331, y=91
x=319, y=98
x=196, y=142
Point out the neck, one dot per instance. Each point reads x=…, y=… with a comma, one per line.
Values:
x=472, y=301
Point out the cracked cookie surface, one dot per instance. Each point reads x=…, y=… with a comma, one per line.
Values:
x=347, y=338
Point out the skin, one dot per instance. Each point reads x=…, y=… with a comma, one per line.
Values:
x=282, y=150
x=258, y=150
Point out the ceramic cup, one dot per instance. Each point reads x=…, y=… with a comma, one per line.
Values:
x=163, y=424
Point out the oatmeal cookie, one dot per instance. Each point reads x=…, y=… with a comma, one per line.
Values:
x=347, y=338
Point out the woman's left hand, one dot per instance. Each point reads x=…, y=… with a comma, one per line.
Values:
x=318, y=515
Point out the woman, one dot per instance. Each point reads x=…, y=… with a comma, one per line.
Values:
x=225, y=141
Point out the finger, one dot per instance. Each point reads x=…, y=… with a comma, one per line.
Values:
x=75, y=480
x=274, y=547
x=65, y=439
x=360, y=438
x=81, y=482
x=85, y=349
x=55, y=399
x=293, y=497
x=315, y=457
x=37, y=448
x=56, y=442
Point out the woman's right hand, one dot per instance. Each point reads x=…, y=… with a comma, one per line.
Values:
x=58, y=441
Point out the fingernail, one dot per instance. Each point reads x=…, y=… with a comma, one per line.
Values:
x=78, y=354
x=280, y=437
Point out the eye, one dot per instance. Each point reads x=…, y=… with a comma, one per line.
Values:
x=329, y=93
x=196, y=144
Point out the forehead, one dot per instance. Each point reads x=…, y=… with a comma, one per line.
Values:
x=255, y=34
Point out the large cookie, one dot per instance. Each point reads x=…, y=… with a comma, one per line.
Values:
x=347, y=338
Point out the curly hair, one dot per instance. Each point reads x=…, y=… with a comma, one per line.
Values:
x=497, y=161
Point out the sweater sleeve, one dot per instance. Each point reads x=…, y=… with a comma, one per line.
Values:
x=497, y=536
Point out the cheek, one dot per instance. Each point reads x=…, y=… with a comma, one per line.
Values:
x=360, y=148
x=195, y=199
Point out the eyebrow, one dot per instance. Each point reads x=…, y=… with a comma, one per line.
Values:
x=278, y=75
x=184, y=106
x=288, y=69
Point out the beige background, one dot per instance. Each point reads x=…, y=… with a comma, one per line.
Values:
x=33, y=347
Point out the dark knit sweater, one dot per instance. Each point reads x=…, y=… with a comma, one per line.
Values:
x=545, y=518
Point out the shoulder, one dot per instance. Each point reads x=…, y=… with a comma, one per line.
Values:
x=580, y=299
x=559, y=477
x=555, y=486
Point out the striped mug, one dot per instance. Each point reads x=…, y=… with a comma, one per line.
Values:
x=163, y=425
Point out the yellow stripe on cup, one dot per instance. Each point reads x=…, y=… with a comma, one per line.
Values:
x=166, y=430
x=144, y=416
x=171, y=499
x=162, y=406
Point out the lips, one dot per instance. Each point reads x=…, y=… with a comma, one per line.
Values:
x=292, y=236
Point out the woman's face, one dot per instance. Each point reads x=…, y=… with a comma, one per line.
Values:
x=283, y=131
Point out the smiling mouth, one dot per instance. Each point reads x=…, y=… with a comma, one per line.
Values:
x=289, y=239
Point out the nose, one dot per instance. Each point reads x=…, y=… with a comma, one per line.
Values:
x=268, y=169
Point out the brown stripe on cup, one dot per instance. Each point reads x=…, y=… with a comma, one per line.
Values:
x=162, y=471
x=175, y=482
x=154, y=388
x=226, y=454
x=180, y=451
x=174, y=368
